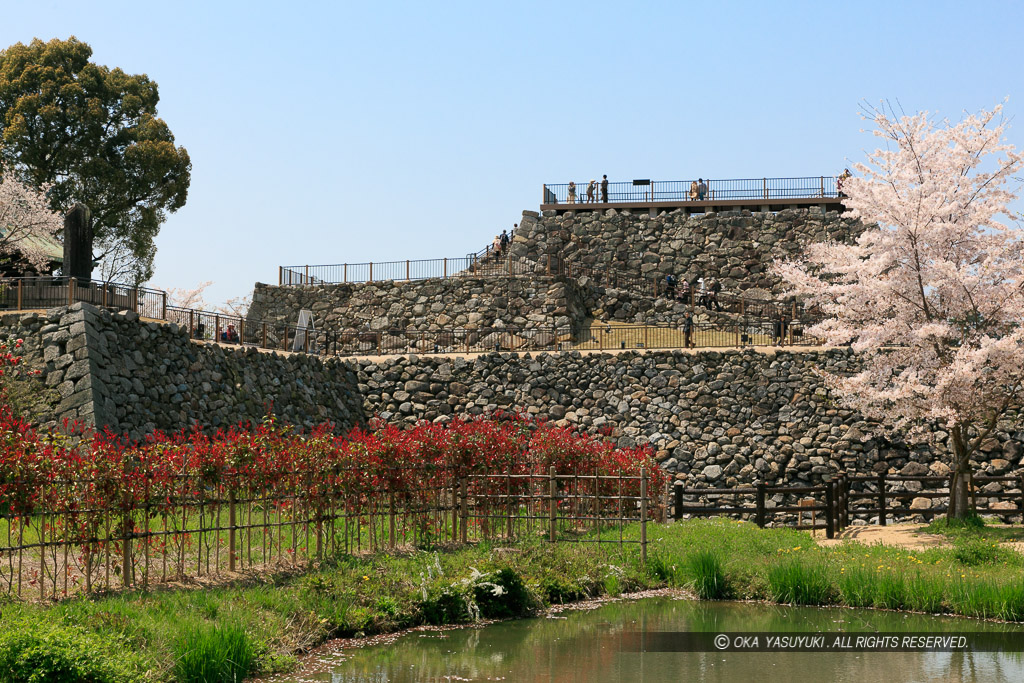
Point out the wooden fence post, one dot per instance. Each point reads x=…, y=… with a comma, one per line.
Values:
x=20, y=299
x=71, y=291
x=163, y=306
x=464, y=509
x=881, y=499
x=677, y=500
x=391, y=519
x=552, y=504
x=1021, y=485
x=445, y=266
x=231, y=531
x=643, y=515
x=830, y=508
x=280, y=275
x=760, y=504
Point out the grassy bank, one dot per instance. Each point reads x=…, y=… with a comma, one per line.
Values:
x=191, y=635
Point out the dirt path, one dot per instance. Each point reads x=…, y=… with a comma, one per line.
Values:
x=906, y=536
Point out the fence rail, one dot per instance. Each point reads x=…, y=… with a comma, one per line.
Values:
x=77, y=540
x=652, y=191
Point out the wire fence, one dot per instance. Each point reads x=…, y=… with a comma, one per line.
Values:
x=653, y=191
x=75, y=538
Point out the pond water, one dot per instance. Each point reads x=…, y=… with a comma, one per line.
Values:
x=595, y=646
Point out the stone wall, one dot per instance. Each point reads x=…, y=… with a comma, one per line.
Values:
x=736, y=247
x=398, y=309
x=111, y=369
x=722, y=418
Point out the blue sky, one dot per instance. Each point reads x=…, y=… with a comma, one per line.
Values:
x=348, y=132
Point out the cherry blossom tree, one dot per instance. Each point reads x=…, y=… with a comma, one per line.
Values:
x=26, y=222
x=931, y=295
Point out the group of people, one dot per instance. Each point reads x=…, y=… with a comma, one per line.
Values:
x=705, y=292
x=698, y=190
x=592, y=189
x=502, y=241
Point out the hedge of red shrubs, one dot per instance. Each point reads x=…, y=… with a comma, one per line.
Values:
x=62, y=475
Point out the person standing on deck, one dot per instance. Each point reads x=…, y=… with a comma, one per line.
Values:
x=604, y=189
x=591, y=189
x=702, y=189
x=572, y=192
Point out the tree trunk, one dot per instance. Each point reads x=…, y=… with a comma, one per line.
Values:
x=960, y=481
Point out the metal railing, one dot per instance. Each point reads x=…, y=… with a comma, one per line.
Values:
x=28, y=293
x=653, y=191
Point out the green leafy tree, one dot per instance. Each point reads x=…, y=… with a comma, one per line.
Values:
x=92, y=134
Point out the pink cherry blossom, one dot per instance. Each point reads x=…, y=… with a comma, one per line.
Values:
x=931, y=295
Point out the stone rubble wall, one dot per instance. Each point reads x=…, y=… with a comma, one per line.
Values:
x=716, y=418
x=736, y=247
x=112, y=369
x=397, y=310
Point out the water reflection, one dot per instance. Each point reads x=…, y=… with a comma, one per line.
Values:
x=585, y=646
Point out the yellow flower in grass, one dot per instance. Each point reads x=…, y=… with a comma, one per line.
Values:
x=366, y=578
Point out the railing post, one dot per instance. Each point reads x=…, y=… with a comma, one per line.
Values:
x=822, y=186
x=881, y=498
x=677, y=500
x=264, y=345
x=344, y=270
x=306, y=280
x=552, y=504
x=643, y=515
x=163, y=306
x=830, y=505
x=760, y=505
x=104, y=294
x=191, y=324
x=445, y=266
x=280, y=275
x=20, y=295
x=764, y=188
x=371, y=271
x=544, y=195
x=216, y=328
x=406, y=270
x=71, y=291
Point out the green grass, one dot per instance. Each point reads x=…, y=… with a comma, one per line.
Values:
x=974, y=527
x=214, y=654
x=262, y=625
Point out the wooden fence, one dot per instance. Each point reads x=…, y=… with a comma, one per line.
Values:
x=846, y=496
x=77, y=540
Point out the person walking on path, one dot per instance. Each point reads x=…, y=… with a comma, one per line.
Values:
x=604, y=189
x=702, y=189
x=572, y=192
x=496, y=247
x=683, y=291
x=670, y=286
x=688, y=330
x=702, y=292
x=716, y=287
x=591, y=189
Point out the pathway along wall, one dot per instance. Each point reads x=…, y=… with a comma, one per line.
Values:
x=114, y=370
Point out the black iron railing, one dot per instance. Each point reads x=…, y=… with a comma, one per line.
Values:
x=653, y=191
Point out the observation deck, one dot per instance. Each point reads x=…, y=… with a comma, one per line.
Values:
x=753, y=194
